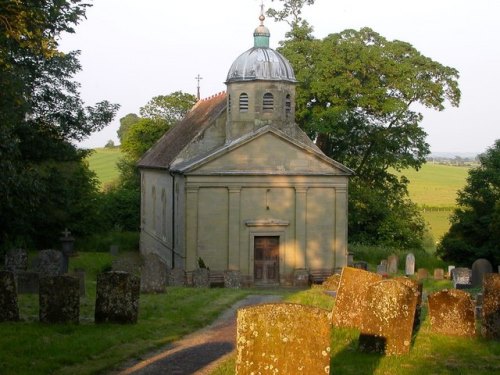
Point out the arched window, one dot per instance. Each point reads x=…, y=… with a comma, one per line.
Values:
x=288, y=104
x=244, y=102
x=268, y=102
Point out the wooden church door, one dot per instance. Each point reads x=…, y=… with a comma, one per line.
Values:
x=266, y=257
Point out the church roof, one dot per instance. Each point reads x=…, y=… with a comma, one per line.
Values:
x=201, y=116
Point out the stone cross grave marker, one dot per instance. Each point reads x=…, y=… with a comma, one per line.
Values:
x=153, y=274
x=9, y=308
x=392, y=264
x=461, y=277
x=273, y=339
x=59, y=299
x=16, y=260
x=480, y=268
x=48, y=263
x=491, y=306
x=410, y=264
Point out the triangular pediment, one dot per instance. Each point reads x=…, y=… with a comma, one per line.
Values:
x=266, y=152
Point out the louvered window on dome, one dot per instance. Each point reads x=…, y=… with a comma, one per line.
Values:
x=229, y=103
x=288, y=104
x=243, y=102
x=268, y=102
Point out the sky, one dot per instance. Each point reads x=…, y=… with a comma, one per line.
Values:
x=134, y=50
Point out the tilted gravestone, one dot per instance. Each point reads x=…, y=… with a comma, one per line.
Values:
x=461, y=278
x=232, y=279
x=417, y=289
x=388, y=316
x=271, y=339
x=352, y=297
x=117, y=297
x=27, y=282
x=48, y=263
x=201, y=278
x=153, y=274
x=59, y=299
x=9, y=308
x=438, y=274
x=176, y=277
x=16, y=260
x=491, y=306
x=480, y=268
x=451, y=312
x=392, y=264
x=410, y=264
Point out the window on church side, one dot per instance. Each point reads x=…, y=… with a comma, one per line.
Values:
x=288, y=104
x=268, y=102
x=244, y=102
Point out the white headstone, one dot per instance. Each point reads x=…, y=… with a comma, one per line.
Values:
x=410, y=264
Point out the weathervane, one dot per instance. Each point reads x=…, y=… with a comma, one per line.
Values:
x=198, y=78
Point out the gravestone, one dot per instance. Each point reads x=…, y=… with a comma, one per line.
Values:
x=480, y=268
x=438, y=274
x=127, y=264
x=232, y=279
x=48, y=263
x=114, y=250
x=201, y=278
x=271, y=339
x=59, y=299
x=382, y=268
x=491, y=306
x=388, y=317
x=153, y=274
x=451, y=312
x=332, y=283
x=79, y=273
x=28, y=282
x=417, y=288
x=351, y=297
x=410, y=264
x=176, y=277
x=392, y=264
x=450, y=268
x=68, y=248
x=362, y=265
x=9, y=308
x=350, y=259
x=16, y=260
x=422, y=274
x=300, y=277
x=117, y=297
x=461, y=278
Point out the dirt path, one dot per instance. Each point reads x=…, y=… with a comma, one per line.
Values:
x=200, y=352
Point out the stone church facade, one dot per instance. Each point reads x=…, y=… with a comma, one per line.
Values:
x=238, y=184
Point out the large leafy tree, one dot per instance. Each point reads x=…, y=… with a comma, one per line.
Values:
x=475, y=223
x=44, y=183
x=358, y=97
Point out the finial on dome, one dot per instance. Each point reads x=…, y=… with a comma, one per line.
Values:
x=261, y=34
x=262, y=17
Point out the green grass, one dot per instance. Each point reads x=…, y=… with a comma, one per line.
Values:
x=103, y=162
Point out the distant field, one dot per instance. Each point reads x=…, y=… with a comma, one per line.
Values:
x=103, y=163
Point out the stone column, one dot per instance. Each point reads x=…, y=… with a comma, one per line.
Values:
x=234, y=229
x=340, y=227
x=191, y=228
x=300, y=226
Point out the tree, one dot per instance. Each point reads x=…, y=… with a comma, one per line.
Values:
x=125, y=124
x=142, y=135
x=475, y=223
x=170, y=108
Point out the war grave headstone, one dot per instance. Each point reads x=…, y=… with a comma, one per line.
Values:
x=392, y=264
x=361, y=265
x=352, y=297
x=438, y=274
x=451, y=312
x=410, y=264
x=422, y=274
x=271, y=340
x=117, y=297
x=491, y=306
x=9, y=308
x=232, y=279
x=388, y=318
x=480, y=268
x=59, y=299
x=201, y=278
x=48, y=263
x=16, y=260
x=461, y=278
x=176, y=277
x=153, y=274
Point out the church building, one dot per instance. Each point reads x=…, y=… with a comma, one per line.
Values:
x=238, y=184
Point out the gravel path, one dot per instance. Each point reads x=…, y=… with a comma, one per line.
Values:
x=200, y=352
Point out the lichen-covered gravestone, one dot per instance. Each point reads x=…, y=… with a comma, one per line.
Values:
x=273, y=339
x=232, y=279
x=461, y=278
x=352, y=297
x=48, y=263
x=392, y=264
x=9, y=308
x=16, y=260
x=410, y=264
x=332, y=283
x=176, y=277
x=491, y=306
x=153, y=274
x=417, y=288
x=59, y=299
x=201, y=278
x=117, y=297
x=451, y=312
x=480, y=268
x=387, y=323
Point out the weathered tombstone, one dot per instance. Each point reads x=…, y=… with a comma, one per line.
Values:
x=9, y=308
x=438, y=274
x=451, y=312
x=480, y=268
x=388, y=317
x=232, y=279
x=68, y=248
x=117, y=297
x=28, y=282
x=332, y=283
x=392, y=264
x=351, y=297
x=461, y=278
x=417, y=288
x=176, y=277
x=362, y=265
x=410, y=264
x=80, y=275
x=300, y=277
x=201, y=278
x=59, y=299
x=382, y=268
x=271, y=340
x=491, y=306
x=16, y=260
x=422, y=274
x=48, y=263
x=114, y=250
x=126, y=264
x=154, y=274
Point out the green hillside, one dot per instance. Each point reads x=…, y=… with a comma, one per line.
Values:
x=103, y=163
